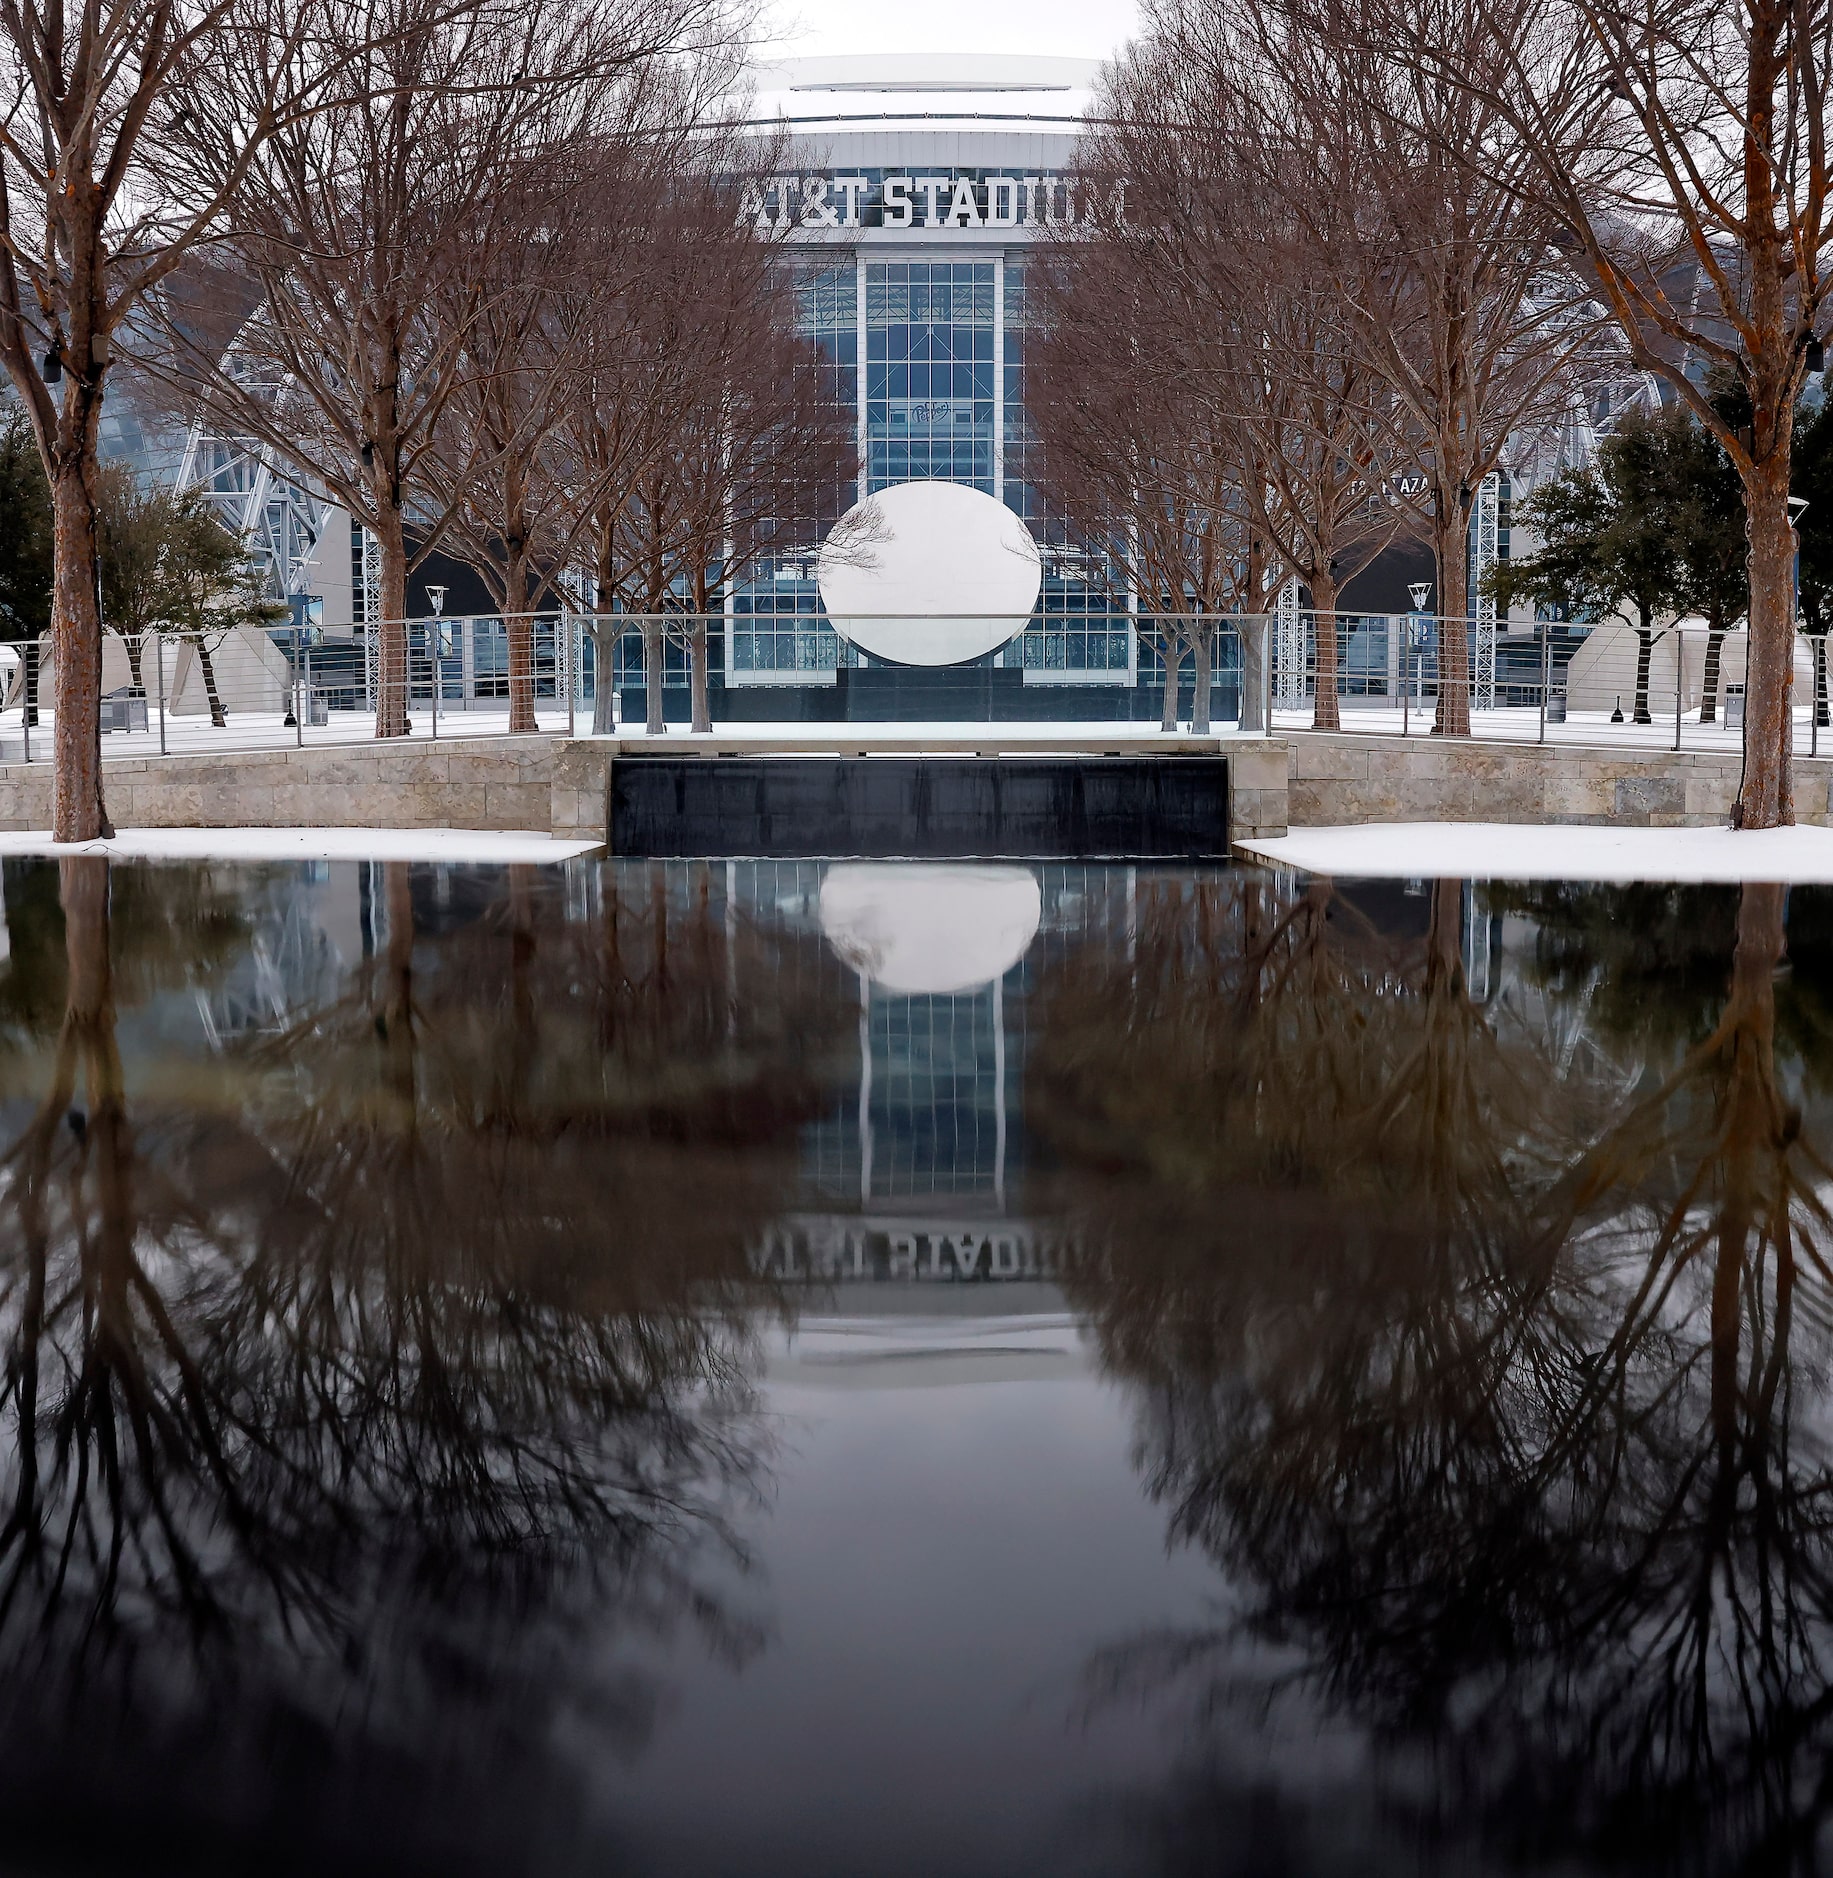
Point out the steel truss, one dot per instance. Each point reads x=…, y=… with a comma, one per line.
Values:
x=281, y=521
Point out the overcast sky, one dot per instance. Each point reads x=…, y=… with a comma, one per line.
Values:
x=1092, y=29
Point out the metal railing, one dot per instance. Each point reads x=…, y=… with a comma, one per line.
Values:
x=1676, y=687
x=1679, y=687
x=180, y=693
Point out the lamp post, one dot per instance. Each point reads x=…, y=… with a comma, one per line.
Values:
x=436, y=596
x=1420, y=592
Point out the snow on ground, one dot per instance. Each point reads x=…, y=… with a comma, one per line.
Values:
x=1519, y=851
x=309, y=844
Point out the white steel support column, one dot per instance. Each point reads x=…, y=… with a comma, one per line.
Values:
x=1483, y=652
x=372, y=581
x=999, y=378
x=1289, y=634
x=859, y=373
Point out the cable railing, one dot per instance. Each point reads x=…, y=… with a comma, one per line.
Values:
x=568, y=674
x=1675, y=687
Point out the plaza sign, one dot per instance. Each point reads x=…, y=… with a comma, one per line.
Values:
x=876, y=199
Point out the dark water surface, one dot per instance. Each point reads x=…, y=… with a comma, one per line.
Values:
x=773, y=1367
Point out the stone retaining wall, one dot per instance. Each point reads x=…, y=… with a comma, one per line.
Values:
x=1305, y=779
x=497, y=784
x=523, y=783
x=1336, y=779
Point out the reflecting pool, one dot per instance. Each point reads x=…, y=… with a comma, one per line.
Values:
x=831, y=1368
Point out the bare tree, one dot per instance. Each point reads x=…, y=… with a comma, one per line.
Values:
x=1453, y=284
x=1263, y=339
x=363, y=230
x=95, y=214
x=702, y=429
x=752, y=465
x=1139, y=469
x=1683, y=150
x=558, y=272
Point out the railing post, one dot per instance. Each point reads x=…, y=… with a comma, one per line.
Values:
x=1817, y=665
x=1546, y=674
x=1680, y=679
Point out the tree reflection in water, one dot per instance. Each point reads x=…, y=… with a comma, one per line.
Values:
x=352, y=1413
x=1499, y=1396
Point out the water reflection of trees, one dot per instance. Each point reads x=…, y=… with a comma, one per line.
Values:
x=1500, y=1398
x=356, y=1402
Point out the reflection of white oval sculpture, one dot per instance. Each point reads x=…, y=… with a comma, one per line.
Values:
x=924, y=931
x=929, y=574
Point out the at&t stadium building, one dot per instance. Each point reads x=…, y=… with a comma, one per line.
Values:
x=919, y=184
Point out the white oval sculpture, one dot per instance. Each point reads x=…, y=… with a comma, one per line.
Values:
x=925, y=931
x=929, y=573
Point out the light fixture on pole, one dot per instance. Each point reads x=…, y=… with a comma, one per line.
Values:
x=1420, y=592
x=435, y=645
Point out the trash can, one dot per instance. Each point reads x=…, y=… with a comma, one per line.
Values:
x=1734, y=707
x=124, y=709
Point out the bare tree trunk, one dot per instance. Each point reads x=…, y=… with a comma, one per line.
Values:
x=1767, y=797
x=1252, y=716
x=391, y=628
x=1173, y=640
x=219, y=718
x=697, y=676
x=520, y=626
x=1708, y=703
x=1451, y=544
x=605, y=635
x=1325, y=713
x=77, y=810
x=1645, y=647
x=653, y=641
x=1252, y=713
x=1202, y=649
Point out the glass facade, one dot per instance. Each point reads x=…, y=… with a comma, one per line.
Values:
x=777, y=632
x=941, y=396
x=929, y=373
